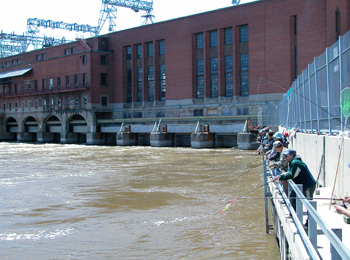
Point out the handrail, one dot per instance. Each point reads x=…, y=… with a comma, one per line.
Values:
x=304, y=238
x=334, y=240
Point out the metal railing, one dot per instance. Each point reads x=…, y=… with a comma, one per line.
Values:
x=338, y=249
x=312, y=104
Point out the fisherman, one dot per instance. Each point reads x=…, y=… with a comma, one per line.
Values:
x=279, y=137
x=269, y=145
x=262, y=139
x=278, y=161
x=300, y=173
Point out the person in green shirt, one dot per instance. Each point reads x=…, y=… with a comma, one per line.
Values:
x=299, y=173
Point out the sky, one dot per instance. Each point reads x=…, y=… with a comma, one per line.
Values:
x=14, y=14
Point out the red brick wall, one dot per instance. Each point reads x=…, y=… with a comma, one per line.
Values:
x=270, y=56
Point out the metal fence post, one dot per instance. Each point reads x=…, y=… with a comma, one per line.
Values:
x=310, y=101
x=316, y=91
x=328, y=93
x=312, y=225
x=334, y=254
x=340, y=77
x=299, y=205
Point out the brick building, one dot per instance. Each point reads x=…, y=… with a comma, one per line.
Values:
x=233, y=61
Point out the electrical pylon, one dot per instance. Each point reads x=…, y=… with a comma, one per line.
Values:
x=109, y=11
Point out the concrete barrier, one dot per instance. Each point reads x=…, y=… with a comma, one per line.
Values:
x=335, y=169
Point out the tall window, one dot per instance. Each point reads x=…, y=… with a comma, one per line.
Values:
x=129, y=85
x=214, y=78
x=228, y=36
x=244, y=59
x=58, y=82
x=213, y=38
x=162, y=47
x=150, y=83
x=244, y=74
x=103, y=59
x=162, y=81
x=337, y=24
x=51, y=83
x=67, y=81
x=228, y=76
x=200, y=78
x=75, y=80
x=103, y=79
x=84, y=79
x=139, y=51
x=199, y=41
x=128, y=52
x=243, y=33
x=294, y=47
x=139, y=85
x=150, y=49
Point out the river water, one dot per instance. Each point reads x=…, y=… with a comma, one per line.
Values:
x=112, y=202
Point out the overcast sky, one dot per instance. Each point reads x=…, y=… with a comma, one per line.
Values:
x=14, y=14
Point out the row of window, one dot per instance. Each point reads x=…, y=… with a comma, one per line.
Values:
x=49, y=84
x=13, y=62
x=148, y=83
x=38, y=57
x=51, y=105
x=228, y=65
x=150, y=49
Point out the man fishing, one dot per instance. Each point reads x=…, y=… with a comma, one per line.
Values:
x=300, y=173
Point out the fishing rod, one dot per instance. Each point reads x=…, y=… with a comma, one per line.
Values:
x=228, y=205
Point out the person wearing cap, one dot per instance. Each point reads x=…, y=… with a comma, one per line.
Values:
x=300, y=173
x=286, y=139
x=274, y=155
x=269, y=142
x=279, y=161
x=279, y=137
x=262, y=139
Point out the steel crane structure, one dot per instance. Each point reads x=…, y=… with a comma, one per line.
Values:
x=33, y=25
x=11, y=43
x=109, y=11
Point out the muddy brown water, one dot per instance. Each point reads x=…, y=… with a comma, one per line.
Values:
x=109, y=202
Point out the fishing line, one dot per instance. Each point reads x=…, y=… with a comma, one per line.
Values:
x=225, y=175
x=280, y=198
x=312, y=102
x=228, y=205
x=252, y=168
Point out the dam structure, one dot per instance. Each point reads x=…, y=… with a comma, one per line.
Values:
x=223, y=68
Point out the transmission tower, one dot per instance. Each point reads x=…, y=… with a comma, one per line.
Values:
x=109, y=11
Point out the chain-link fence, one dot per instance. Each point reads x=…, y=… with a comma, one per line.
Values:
x=313, y=104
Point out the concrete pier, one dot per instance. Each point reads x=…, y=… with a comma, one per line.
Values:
x=202, y=140
x=161, y=139
x=126, y=139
